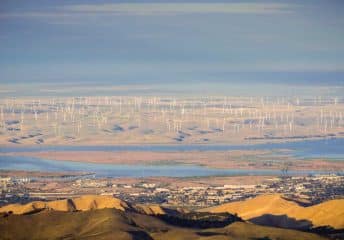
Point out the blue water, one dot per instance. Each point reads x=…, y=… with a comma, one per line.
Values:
x=322, y=148
x=111, y=170
x=325, y=148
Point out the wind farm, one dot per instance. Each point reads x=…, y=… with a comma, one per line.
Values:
x=168, y=120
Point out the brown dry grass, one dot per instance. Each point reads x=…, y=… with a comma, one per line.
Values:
x=329, y=213
x=84, y=203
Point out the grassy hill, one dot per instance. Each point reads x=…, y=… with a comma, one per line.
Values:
x=116, y=224
x=105, y=217
x=276, y=210
x=84, y=203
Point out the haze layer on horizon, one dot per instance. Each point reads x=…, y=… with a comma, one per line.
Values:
x=175, y=44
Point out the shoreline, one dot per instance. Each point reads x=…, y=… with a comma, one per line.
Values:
x=244, y=142
x=227, y=160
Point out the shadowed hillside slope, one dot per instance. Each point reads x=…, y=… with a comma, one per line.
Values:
x=127, y=225
x=151, y=209
x=97, y=224
x=329, y=213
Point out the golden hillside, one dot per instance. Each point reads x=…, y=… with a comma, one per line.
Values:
x=329, y=213
x=84, y=203
x=152, y=209
x=105, y=217
x=126, y=225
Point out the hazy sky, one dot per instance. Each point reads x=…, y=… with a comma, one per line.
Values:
x=165, y=42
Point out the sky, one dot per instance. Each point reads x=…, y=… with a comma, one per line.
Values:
x=172, y=42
